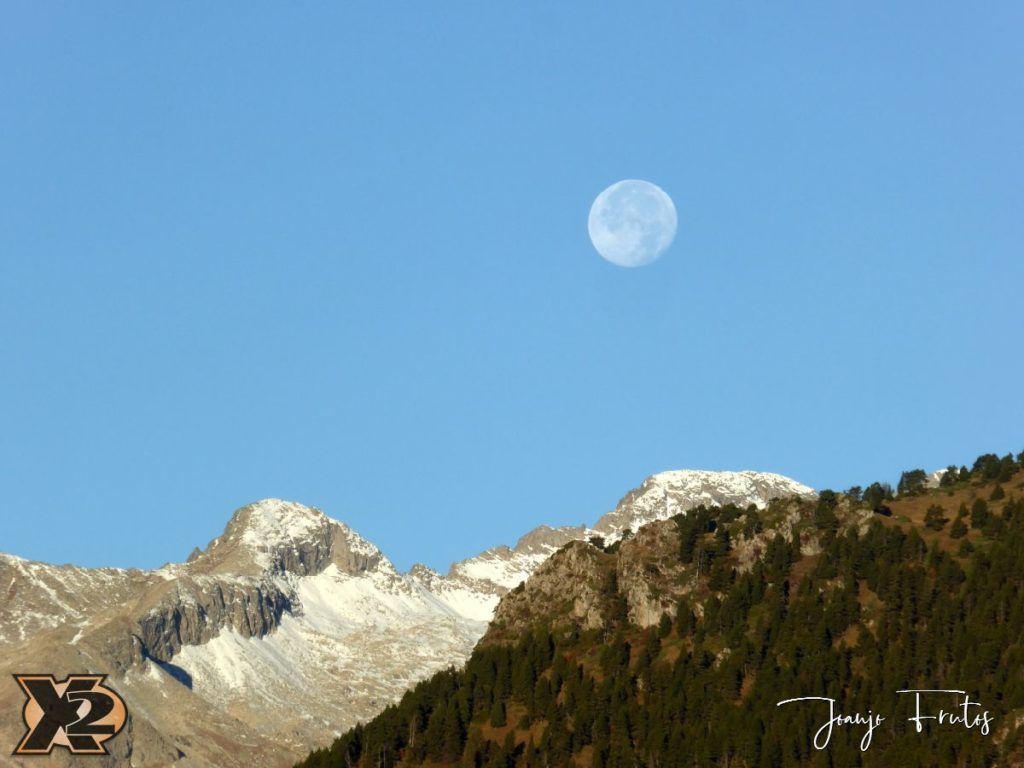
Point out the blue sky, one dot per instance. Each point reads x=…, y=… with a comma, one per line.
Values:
x=338, y=253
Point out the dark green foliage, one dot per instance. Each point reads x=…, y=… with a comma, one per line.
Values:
x=497, y=717
x=721, y=575
x=997, y=493
x=693, y=527
x=950, y=477
x=686, y=621
x=1013, y=509
x=752, y=524
x=876, y=493
x=824, y=514
x=994, y=527
x=979, y=513
x=988, y=466
x=935, y=518
x=828, y=498
x=912, y=482
x=875, y=612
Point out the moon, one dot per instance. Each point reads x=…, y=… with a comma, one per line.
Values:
x=632, y=222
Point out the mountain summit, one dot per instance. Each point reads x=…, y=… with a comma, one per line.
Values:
x=277, y=536
x=289, y=627
x=668, y=493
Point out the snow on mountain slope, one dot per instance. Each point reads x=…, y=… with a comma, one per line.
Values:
x=38, y=596
x=289, y=627
x=357, y=643
x=503, y=567
x=659, y=497
x=669, y=493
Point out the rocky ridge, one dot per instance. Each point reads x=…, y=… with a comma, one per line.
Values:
x=289, y=627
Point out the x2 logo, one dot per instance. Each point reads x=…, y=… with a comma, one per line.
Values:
x=79, y=713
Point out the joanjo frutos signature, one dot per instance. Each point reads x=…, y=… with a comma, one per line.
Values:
x=966, y=714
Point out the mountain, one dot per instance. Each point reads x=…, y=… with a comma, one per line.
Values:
x=660, y=496
x=674, y=646
x=287, y=629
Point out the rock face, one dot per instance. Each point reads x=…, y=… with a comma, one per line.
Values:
x=202, y=607
x=574, y=585
x=286, y=629
x=648, y=572
x=659, y=497
x=289, y=627
x=586, y=587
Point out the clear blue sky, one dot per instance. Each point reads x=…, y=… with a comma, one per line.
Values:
x=338, y=253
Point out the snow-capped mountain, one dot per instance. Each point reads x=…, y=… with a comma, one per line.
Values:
x=668, y=493
x=288, y=628
x=659, y=497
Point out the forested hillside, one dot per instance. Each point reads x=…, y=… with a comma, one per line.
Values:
x=852, y=596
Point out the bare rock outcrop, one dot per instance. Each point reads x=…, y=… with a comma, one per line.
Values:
x=573, y=584
x=200, y=609
x=649, y=572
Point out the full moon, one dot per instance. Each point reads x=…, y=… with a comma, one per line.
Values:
x=632, y=223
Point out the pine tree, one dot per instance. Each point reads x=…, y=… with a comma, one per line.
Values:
x=935, y=518
x=912, y=482
x=497, y=717
x=979, y=513
x=454, y=734
x=878, y=605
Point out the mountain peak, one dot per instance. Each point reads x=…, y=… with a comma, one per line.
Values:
x=286, y=592
x=668, y=493
x=275, y=521
x=274, y=535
